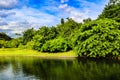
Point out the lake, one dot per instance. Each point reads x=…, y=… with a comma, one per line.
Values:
x=21, y=68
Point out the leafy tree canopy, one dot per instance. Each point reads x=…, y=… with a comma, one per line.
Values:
x=56, y=45
x=111, y=11
x=28, y=35
x=99, y=38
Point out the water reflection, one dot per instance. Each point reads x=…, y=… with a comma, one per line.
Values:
x=51, y=69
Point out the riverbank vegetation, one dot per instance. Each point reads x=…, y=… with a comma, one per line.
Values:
x=92, y=38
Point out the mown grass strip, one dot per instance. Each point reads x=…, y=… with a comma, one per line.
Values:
x=27, y=52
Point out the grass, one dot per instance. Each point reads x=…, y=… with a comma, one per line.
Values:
x=17, y=52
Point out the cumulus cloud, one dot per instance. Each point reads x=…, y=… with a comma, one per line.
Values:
x=8, y=4
x=2, y=23
x=73, y=13
x=5, y=30
x=4, y=14
x=89, y=9
x=92, y=7
x=25, y=18
x=63, y=6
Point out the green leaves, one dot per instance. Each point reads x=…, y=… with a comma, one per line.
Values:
x=111, y=11
x=56, y=45
x=28, y=35
x=99, y=38
x=43, y=34
x=2, y=43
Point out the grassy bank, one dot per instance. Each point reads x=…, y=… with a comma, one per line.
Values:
x=9, y=52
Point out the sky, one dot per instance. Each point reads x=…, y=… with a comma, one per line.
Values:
x=19, y=15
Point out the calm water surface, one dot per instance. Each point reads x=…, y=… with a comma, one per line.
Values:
x=58, y=69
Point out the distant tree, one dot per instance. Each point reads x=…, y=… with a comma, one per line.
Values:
x=28, y=35
x=43, y=34
x=2, y=43
x=62, y=21
x=69, y=26
x=17, y=34
x=55, y=45
x=4, y=36
x=87, y=20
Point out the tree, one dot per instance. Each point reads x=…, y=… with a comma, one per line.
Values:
x=99, y=38
x=67, y=28
x=2, y=43
x=5, y=37
x=43, y=34
x=62, y=21
x=111, y=11
x=28, y=35
x=17, y=34
x=55, y=45
x=87, y=20
x=14, y=43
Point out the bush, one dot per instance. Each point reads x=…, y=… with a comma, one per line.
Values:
x=43, y=34
x=29, y=45
x=14, y=43
x=55, y=45
x=100, y=38
x=2, y=43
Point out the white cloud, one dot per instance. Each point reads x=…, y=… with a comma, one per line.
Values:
x=63, y=6
x=8, y=4
x=25, y=18
x=74, y=13
x=89, y=9
x=2, y=23
x=94, y=8
x=5, y=13
x=78, y=16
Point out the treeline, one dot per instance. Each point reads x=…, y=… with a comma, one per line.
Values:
x=92, y=38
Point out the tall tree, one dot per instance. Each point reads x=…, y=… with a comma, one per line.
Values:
x=28, y=35
x=111, y=11
x=87, y=20
x=62, y=21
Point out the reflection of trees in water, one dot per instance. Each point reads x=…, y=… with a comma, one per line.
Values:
x=72, y=69
x=3, y=64
x=64, y=69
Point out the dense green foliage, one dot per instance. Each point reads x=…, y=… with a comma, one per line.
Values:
x=2, y=43
x=55, y=45
x=66, y=29
x=14, y=43
x=98, y=38
x=28, y=35
x=42, y=35
x=112, y=10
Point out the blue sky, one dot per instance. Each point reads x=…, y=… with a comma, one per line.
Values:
x=19, y=15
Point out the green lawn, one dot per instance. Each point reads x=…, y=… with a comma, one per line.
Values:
x=32, y=53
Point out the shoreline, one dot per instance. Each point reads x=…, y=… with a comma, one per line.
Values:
x=17, y=52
